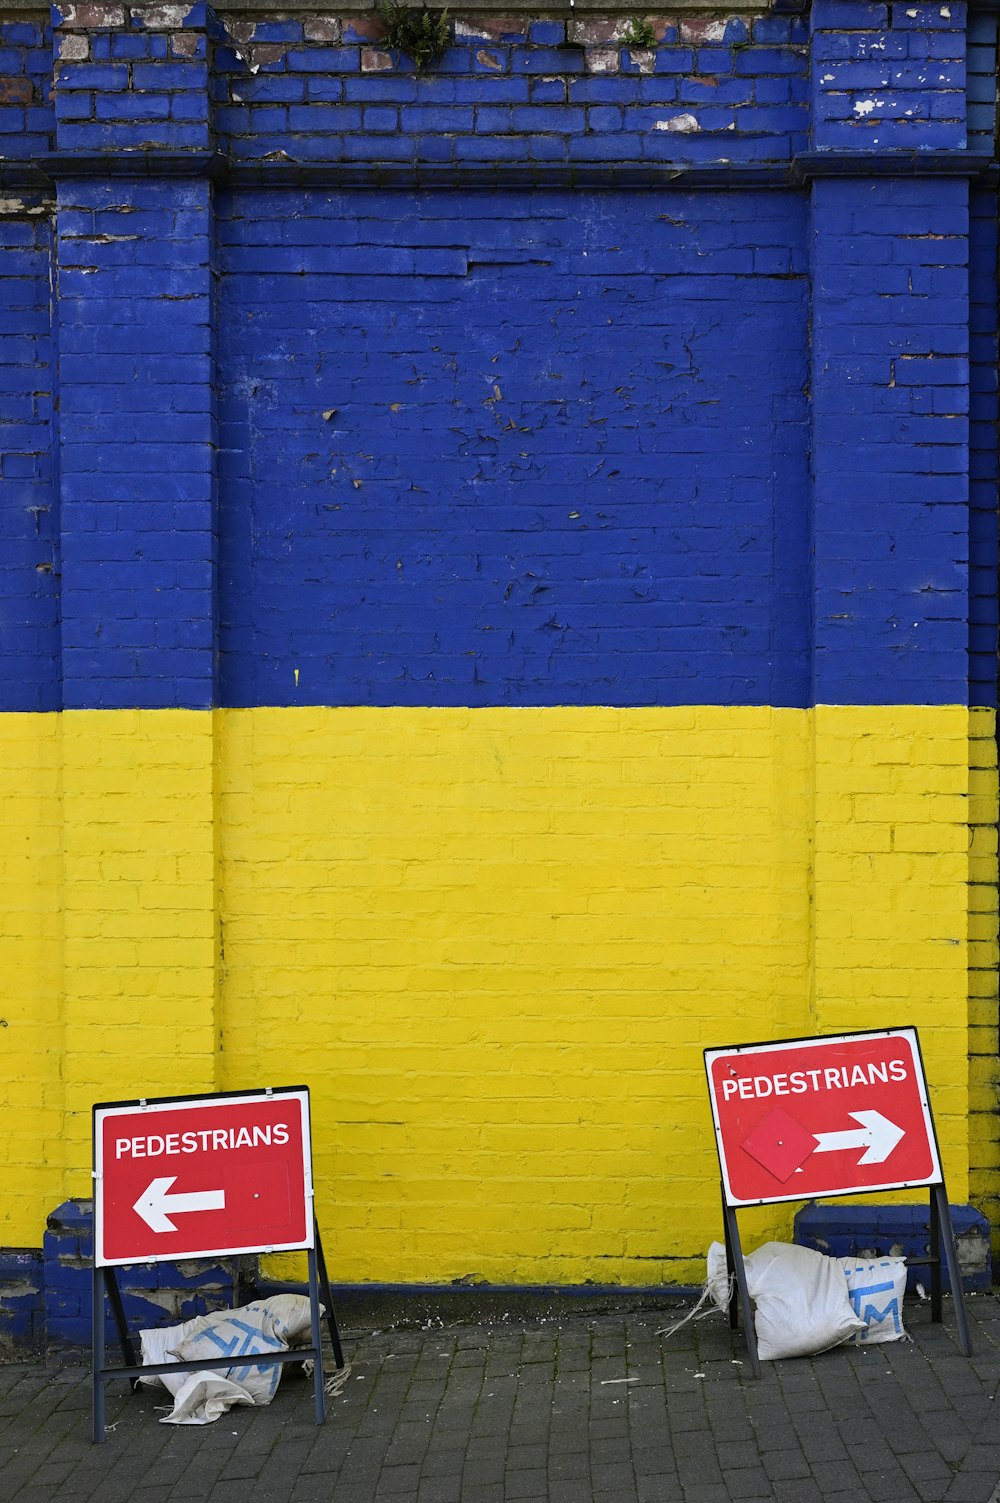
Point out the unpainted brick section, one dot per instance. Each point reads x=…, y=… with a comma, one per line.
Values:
x=133, y=79
x=515, y=91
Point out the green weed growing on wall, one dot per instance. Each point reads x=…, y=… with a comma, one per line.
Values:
x=421, y=33
x=638, y=33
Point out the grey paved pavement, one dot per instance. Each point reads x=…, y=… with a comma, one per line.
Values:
x=565, y=1409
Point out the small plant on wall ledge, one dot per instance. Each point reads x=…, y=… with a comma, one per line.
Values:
x=421, y=33
x=638, y=33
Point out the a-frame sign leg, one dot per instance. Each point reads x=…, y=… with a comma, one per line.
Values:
x=734, y=1293
x=946, y=1238
x=97, y=1371
x=935, y=1256
x=324, y=1285
x=317, y=1337
x=118, y=1311
x=105, y=1286
x=734, y=1262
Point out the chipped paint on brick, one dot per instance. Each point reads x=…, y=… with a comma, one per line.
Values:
x=682, y=123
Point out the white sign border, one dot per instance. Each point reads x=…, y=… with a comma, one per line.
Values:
x=104, y=1109
x=826, y=1041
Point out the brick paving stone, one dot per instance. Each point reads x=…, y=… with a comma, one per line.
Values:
x=440, y=1490
x=656, y=1490
x=747, y=1482
x=799, y=1491
x=786, y=1465
x=971, y=1487
x=502, y=1414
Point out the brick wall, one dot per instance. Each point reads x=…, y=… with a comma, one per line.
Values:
x=499, y=592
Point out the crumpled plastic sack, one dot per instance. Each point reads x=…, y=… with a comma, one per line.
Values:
x=200, y=1397
x=876, y=1289
x=801, y=1298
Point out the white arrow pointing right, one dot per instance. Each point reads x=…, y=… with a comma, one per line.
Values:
x=877, y=1135
x=156, y=1207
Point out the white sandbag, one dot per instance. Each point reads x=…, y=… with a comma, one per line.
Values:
x=718, y=1276
x=876, y=1291
x=802, y=1301
x=265, y=1326
x=203, y=1398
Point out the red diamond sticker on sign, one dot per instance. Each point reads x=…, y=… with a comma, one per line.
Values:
x=200, y=1176
x=822, y=1116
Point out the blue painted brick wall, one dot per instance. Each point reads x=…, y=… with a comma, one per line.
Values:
x=22, y=1301
x=630, y=520
x=890, y=440
x=864, y=1232
x=132, y=78
x=26, y=115
x=515, y=91
x=981, y=63
x=984, y=411
x=508, y=450
x=137, y=450
x=153, y=1294
x=888, y=76
x=29, y=524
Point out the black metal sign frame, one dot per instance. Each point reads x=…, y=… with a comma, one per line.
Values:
x=106, y=1288
x=942, y=1232
x=106, y=1285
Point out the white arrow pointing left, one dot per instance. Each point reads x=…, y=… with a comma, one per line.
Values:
x=877, y=1135
x=156, y=1207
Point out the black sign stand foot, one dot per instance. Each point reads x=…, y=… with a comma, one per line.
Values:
x=943, y=1238
x=105, y=1286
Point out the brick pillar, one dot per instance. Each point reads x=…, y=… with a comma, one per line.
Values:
x=137, y=446
x=890, y=389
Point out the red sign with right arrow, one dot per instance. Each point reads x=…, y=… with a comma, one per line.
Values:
x=822, y=1116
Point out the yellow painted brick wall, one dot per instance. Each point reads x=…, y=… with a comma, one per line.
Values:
x=139, y=902
x=494, y=943
x=31, y=1099
x=891, y=877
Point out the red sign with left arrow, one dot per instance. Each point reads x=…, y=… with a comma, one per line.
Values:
x=202, y=1176
x=822, y=1116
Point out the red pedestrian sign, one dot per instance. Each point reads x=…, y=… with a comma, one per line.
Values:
x=192, y=1177
x=822, y=1116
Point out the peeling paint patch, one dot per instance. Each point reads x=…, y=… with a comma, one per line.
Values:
x=162, y=17
x=682, y=123
x=239, y=34
x=865, y=106
x=705, y=30
x=375, y=60
x=603, y=60
x=73, y=49
x=18, y=206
